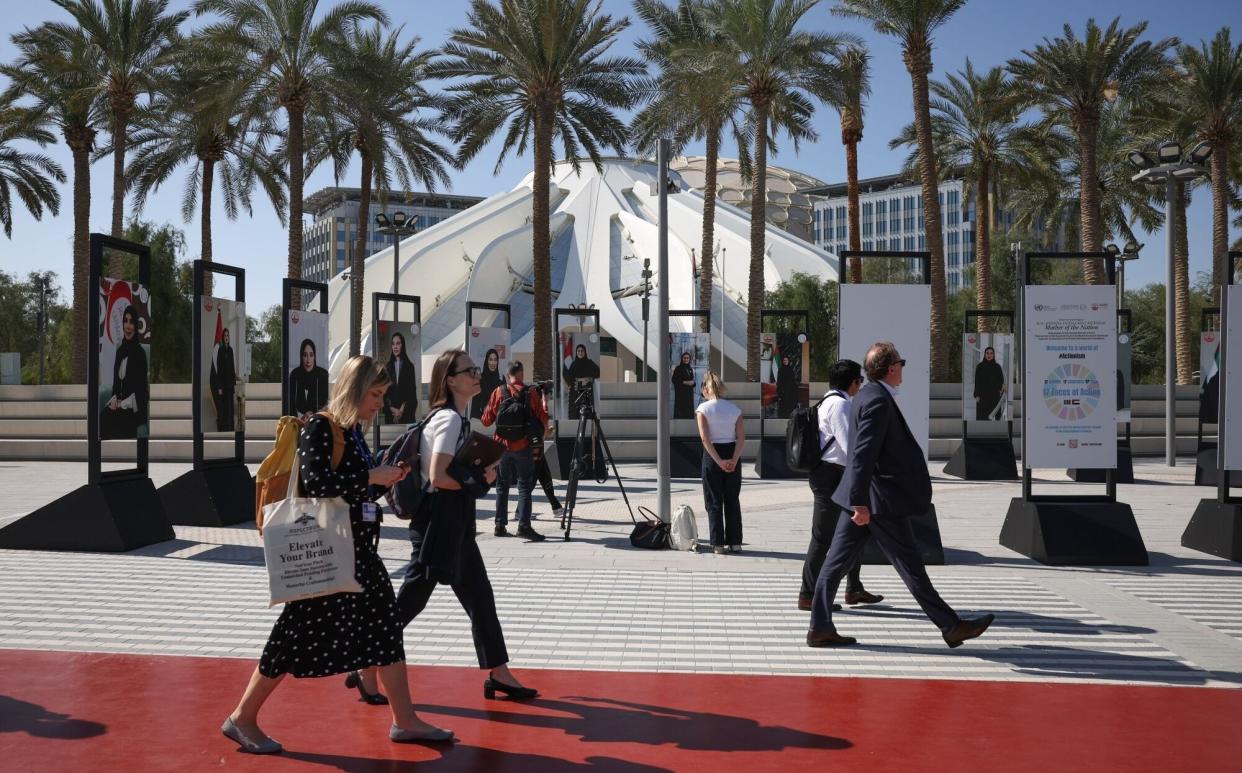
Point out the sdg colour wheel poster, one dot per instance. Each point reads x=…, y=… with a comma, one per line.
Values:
x=1071, y=375
x=1231, y=426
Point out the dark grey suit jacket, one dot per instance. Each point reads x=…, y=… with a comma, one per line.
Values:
x=886, y=470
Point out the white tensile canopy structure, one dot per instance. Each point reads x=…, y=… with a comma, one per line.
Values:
x=604, y=223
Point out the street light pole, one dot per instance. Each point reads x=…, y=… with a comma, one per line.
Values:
x=724, y=253
x=646, y=275
x=398, y=228
x=664, y=507
x=43, y=281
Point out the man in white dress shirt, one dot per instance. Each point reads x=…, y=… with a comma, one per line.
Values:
x=833, y=412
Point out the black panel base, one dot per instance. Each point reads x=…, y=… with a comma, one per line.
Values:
x=983, y=458
x=1216, y=529
x=770, y=461
x=1074, y=533
x=214, y=496
x=1205, y=468
x=685, y=459
x=926, y=535
x=1125, y=469
x=110, y=517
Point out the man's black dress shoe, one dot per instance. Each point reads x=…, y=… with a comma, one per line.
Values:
x=502, y=531
x=967, y=629
x=828, y=639
x=853, y=597
x=530, y=534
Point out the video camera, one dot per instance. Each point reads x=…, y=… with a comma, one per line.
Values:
x=582, y=395
x=546, y=387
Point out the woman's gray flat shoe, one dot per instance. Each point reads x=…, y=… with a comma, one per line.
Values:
x=265, y=746
x=397, y=735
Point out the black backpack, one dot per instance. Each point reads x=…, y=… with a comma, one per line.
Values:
x=513, y=418
x=406, y=495
x=802, y=449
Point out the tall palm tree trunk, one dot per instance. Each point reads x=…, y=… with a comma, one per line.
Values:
x=204, y=225
x=541, y=243
x=80, y=141
x=709, y=228
x=1181, y=291
x=356, y=262
x=931, y=221
x=1089, y=198
x=295, y=109
x=120, y=141
x=983, y=247
x=1220, y=217
x=851, y=193
x=758, y=222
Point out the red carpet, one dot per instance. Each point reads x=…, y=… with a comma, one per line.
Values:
x=82, y=712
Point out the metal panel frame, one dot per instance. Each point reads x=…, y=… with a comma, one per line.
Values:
x=201, y=269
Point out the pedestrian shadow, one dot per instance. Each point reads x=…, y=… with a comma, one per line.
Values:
x=18, y=716
x=473, y=758
x=1066, y=626
x=606, y=720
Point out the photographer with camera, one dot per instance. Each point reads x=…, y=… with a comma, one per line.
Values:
x=517, y=412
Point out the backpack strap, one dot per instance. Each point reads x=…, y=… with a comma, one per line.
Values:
x=832, y=439
x=338, y=440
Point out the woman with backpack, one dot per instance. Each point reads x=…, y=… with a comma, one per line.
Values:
x=723, y=432
x=442, y=531
x=343, y=632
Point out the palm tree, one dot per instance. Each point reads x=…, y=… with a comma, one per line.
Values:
x=538, y=66
x=1073, y=79
x=131, y=39
x=59, y=73
x=692, y=96
x=31, y=176
x=388, y=125
x=204, y=115
x=283, y=50
x=855, y=64
x=1212, y=102
x=913, y=22
x=781, y=68
x=975, y=128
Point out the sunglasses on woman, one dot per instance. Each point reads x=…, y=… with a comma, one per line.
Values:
x=473, y=370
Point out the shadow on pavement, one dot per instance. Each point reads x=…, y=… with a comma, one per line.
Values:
x=18, y=716
x=474, y=758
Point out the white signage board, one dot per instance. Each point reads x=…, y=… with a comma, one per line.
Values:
x=897, y=313
x=1231, y=429
x=1070, y=417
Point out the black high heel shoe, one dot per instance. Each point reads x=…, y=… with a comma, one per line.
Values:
x=353, y=680
x=492, y=686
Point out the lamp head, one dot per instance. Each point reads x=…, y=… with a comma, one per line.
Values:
x=1200, y=153
x=1169, y=152
x=398, y=219
x=1112, y=249
x=1140, y=160
x=381, y=220
x=1132, y=248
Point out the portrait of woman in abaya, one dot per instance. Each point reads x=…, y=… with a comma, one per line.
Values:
x=308, y=383
x=401, y=400
x=581, y=369
x=683, y=388
x=126, y=409
x=786, y=388
x=223, y=382
x=488, y=381
x=989, y=387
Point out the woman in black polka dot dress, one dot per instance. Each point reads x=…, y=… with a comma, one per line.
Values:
x=344, y=632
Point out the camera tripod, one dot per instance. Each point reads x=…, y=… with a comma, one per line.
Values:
x=577, y=463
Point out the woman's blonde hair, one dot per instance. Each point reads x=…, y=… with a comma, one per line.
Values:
x=714, y=386
x=359, y=376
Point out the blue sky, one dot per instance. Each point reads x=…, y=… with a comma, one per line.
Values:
x=988, y=31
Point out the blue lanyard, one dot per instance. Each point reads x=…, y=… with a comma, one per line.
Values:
x=361, y=444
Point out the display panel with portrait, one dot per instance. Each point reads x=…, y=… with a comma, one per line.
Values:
x=784, y=369
x=488, y=348
x=689, y=354
x=399, y=348
x=987, y=376
x=307, y=347
x=222, y=347
x=1209, y=376
x=579, y=369
x=124, y=360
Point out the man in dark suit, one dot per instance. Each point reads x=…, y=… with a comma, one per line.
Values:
x=885, y=484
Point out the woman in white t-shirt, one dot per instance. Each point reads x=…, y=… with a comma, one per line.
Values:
x=723, y=432
x=442, y=531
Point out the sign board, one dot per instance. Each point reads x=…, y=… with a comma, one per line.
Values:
x=489, y=348
x=124, y=360
x=307, y=347
x=896, y=313
x=1124, y=376
x=1209, y=375
x=689, y=354
x=987, y=376
x=399, y=348
x=222, y=347
x=1231, y=422
x=1071, y=376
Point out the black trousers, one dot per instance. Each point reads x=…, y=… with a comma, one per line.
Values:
x=543, y=474
x=476, y=597
x=824, y=480
x=722, y=493
x=896, y=539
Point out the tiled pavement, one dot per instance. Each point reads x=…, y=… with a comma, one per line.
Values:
x=595, y=603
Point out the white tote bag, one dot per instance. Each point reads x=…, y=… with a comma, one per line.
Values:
x=684, y=534
x=308, y=545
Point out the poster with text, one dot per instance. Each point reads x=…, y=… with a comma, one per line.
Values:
x=1124, y=370
x=579, y=357
x=1231, y=422
x=488, y=347
x=399, y=348
x=1209, y=376
x=785, y=370
x=224, y=365
x=307, y=348
x=689, y=354
x=1071, y=376
x=900, y=314
x=124, y=360
x=987, y=376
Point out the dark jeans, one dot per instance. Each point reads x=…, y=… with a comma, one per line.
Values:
x=721, y=493
x=824, y=480
x=895, y=538
x=515, y=467
x=543, y=474
x=476, y=597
